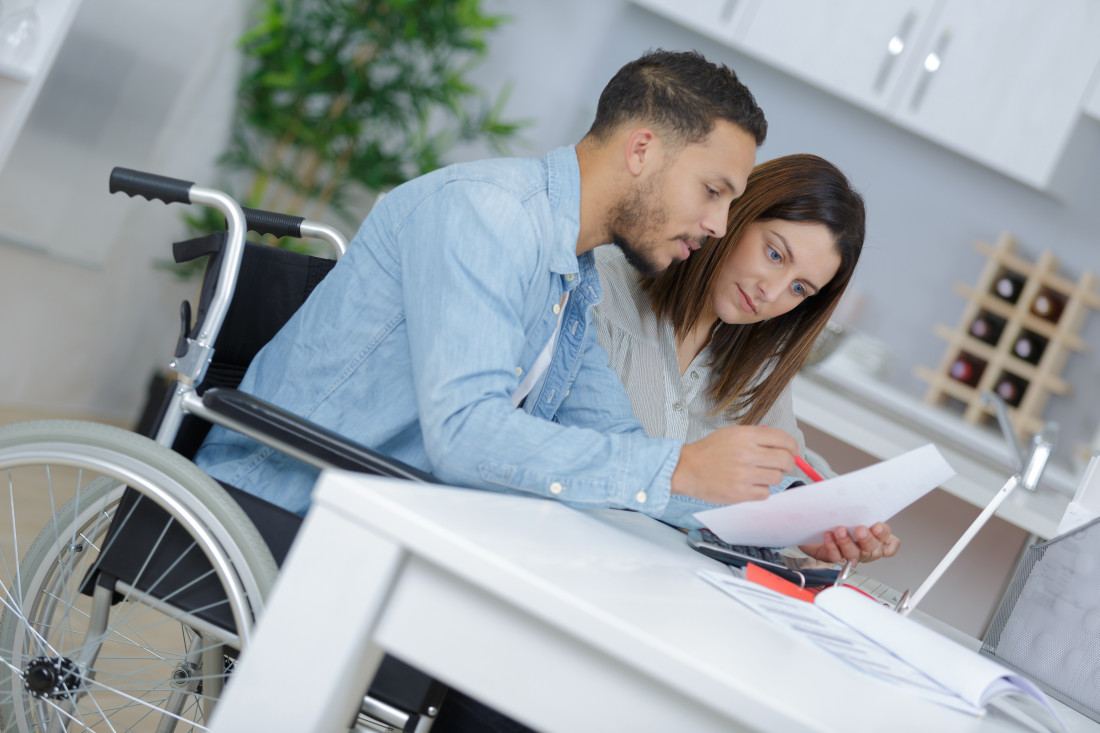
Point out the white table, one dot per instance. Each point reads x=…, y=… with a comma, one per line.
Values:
x=567, y=620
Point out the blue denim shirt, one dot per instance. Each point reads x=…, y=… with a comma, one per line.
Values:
x=415, y=341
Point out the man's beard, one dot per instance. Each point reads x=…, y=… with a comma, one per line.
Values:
x=637, y=216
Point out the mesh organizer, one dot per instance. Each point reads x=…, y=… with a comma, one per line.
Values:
x=1047, y=626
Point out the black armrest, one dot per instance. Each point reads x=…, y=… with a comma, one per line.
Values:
x=285, y=427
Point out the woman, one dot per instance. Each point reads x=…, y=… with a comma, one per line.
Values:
x=716, y=339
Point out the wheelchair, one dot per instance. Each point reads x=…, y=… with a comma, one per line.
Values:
x=129, y=608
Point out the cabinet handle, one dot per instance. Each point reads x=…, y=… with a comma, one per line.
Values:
x=931, y=65
x=727, y=10
x=894, y=47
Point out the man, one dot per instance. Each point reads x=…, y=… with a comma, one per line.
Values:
x=468, y=292
x=456, y=333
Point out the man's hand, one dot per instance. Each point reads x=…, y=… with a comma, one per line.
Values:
x=863, y=544
x=733, y=464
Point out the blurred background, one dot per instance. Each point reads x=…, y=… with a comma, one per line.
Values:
x=88, y=312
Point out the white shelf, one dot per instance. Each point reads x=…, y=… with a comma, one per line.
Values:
x=21, y=83
x=884, y=422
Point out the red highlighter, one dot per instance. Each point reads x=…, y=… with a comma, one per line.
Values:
x=807, y=468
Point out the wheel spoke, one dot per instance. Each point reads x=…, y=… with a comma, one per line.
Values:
x=145, y=668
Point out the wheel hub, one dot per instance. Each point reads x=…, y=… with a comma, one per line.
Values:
x=47, y=677
x=184, y=673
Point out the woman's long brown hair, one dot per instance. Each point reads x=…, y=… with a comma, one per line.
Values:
x=802, y=188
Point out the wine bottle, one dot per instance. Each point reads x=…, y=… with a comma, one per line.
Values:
x=1048, y=304
x=1008, y=285
x=987, y=327
x=967, y=368
x=1011, y=388
x=1029, y=347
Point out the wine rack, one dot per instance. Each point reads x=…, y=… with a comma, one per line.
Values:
x=1021, y=322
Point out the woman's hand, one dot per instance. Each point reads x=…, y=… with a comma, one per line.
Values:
x=735, y=463
x=864, y=544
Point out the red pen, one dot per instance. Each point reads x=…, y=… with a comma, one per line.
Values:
x=806, y=467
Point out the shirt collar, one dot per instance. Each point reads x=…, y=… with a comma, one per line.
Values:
x=563, y=184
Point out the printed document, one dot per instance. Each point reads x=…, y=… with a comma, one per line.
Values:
x=802, y=515
x=887, y=646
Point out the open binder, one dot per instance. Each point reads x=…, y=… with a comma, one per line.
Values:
x=886, y=646
x=1048, y=623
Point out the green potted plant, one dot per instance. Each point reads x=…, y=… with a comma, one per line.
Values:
x=343, y=99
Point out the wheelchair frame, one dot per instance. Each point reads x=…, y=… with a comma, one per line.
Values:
x=53, y=675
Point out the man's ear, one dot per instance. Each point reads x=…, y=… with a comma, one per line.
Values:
x=642, y=145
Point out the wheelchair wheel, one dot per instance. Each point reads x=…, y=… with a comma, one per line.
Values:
x=85, y=646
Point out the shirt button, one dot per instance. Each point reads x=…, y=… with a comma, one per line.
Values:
x=519, y=371
x=569, y=277
x=556, y=309
x=640, y=497
x=556, y=488
x=694, y=374
x=677, y=406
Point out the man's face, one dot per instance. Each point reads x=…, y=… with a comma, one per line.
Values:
x=682, y=198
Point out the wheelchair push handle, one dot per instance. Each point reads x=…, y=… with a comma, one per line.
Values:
x=190, y=362
x=150, y=185
x=295, y=227
x=270, y=222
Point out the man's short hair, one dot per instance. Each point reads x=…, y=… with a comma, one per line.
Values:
x=679, y=93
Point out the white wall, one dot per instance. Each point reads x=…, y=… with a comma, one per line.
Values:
x=138, y=85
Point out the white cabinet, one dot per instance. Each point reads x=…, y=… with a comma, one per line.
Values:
x=999, y=81
x=855, y=49
x=1008, y=91
x=22, y=76
x=721, y=20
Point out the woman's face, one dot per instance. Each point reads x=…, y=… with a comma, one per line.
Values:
x=775, y=267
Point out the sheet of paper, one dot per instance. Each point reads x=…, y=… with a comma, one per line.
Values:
x=801, y=516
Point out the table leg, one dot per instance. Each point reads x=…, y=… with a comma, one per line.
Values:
x=311, y=660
